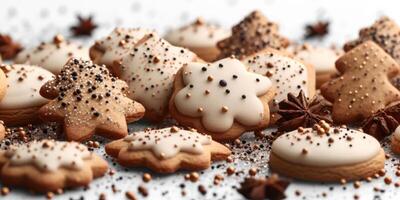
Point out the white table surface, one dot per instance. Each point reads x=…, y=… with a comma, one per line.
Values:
x=34, y=21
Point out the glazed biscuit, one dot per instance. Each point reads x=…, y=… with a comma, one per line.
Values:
x=287, y=74
x=46, y=166
x=167, y=150
x=326, y=154
x=321, y=58
x=22, y=101
x=89, y=100
x=199, y=37
x=395, y=141
x=53, y=55
x=364, y=84
x=149, y=70
x=119, y=43
x=221, y=99
x=253, y=34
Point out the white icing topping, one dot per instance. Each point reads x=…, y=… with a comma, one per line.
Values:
x=287, y=75
x=167, y=142
x=53, y=55
x=308, y=148
x=50, y=155
x=396, y=133
x=222, y=92
x=119, y=43
x=197, y=34
x=23, y=85
x=323, y=59
x=150, y=69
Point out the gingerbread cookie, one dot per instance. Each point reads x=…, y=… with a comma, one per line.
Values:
x=384, y=32
x=119, y=43
x=49, y=165
x=167, y=150
x=150, y=69
x=200, y=37
x=221, y=99
x=22, y=101
x=52, y=55
x=326, y=154
x=287, y=74
x=364, y=85
x=88, y=100
x=321, y=58
x=253, y=34
x=395, y=141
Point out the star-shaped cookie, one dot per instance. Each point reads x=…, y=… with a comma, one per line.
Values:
x=88, y=100
x=364, y=85
x=221, y=99
x=167, y=150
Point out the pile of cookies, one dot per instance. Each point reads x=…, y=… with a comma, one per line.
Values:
x=331, y=108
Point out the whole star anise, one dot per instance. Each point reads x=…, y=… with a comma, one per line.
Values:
x=272, y=188
x=319, y=29
x=8, y=48
x=384, y=122
x=300, y=112
x=85, y=26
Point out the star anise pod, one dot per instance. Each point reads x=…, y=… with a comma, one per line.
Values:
x=8, y=48
x=300, y=112
x=319, y=29
x=384, y=122
x=85, y=26
x=272, y=188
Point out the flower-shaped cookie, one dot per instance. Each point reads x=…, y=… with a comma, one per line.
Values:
x=167, y=150
x=50, y=165
x=150, y=69
x=89, y=100
x=221, y=99
x=364, y=85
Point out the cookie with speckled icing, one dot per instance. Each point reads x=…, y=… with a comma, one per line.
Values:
x=167, y=150
x=200, y=37
x=47, y=166
x=364, y=84
x=87, y=99
x=149, y=69
x=52, y=55
x=326, y=154
x=22, y=100
x=253, y=34
x=221, y=99
x=287, y=74
x=321, y=58
x=111, y=49
x=384, y=32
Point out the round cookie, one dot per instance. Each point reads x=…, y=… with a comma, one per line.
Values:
x=395, y=141
x=3, y=83
x=200, y=37
x=22, y=100
x=111, y=49
x=221, y=99
x=323, y=59
x=150, y=69
x=2, y=130
x=52, y=55
x=47, y=166
x=326, y=154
